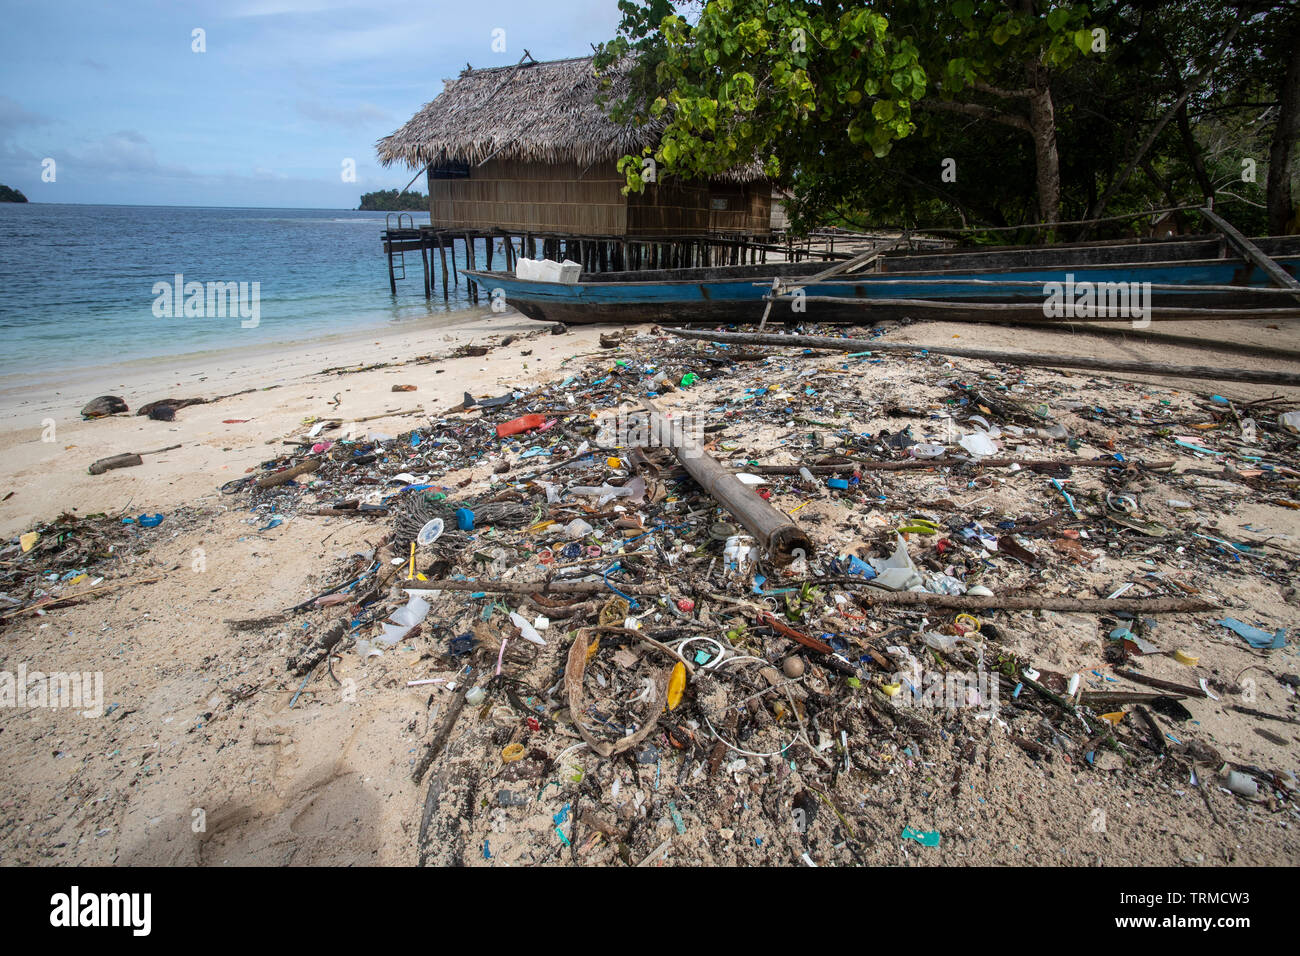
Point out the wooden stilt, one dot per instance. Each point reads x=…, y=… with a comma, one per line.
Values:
x=470, y=287
x=442, y=253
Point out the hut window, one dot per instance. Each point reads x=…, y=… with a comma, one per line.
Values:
x=450, y=171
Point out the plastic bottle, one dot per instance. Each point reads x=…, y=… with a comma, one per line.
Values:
x=517, y=425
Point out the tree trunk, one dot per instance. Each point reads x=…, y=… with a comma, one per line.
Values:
x=1042, y=126
x=1281, y=204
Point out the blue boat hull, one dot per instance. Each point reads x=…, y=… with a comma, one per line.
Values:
x=737, y=295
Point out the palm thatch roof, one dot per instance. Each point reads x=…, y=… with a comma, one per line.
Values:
x=540, y=112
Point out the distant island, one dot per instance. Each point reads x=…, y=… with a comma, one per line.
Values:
x=13, y=195
x=390, y=200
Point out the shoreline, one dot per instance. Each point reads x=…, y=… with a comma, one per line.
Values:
x=17, y=389
x=223, y=439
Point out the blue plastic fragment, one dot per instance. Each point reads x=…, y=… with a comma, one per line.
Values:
x=923, y=837
x=1254, y=636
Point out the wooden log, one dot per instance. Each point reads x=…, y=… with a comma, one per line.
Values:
x=319, y=648
x=444, y=731
x=1253, y=253
x=530, y=587
x=782, y=538
x=288, y=474
x=1094, y=698
x=1153, y=337
x=921, y=464
x=1104, y=365
x=128, y=460
x=1158, y=683
x=874, y=597
x=48, y=603
x=1159, y=313
x=115, y=461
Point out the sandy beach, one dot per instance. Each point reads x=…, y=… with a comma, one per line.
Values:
x=289, y=384
x=199, y=722
x=282, y=387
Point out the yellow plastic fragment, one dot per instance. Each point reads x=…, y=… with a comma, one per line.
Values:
x=28, y=540
x=1183, y=657
x=512, y=753
x=1114, y=718
x=676, y=685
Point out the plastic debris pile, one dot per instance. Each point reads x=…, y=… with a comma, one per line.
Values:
x=1043, y=567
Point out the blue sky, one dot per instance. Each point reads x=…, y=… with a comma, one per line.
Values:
x=287, y=90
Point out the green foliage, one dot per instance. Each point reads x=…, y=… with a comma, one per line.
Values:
x=389, y=200
x=855, y=107
x=9, y=194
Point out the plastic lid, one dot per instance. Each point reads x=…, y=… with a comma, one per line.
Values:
x=430, y=532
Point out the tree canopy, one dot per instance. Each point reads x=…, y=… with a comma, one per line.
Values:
x=390, y=200
x=973, y=112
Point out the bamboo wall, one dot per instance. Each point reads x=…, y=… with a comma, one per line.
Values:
x=568, y=198
x=684, y=208
x=532, y=197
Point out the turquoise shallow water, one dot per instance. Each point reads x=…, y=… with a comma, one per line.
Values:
x=77, y=282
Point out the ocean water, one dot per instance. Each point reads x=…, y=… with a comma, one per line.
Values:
x=77, y=282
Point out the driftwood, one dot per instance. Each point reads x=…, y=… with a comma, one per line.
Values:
x=66, y=599
x=1033, y=602
x=862, y=464
x=1093, y=698
x=780, y=537
x=1251, y=711
x=1252, y=252
x=125, y=461
x=529, y=587
x=321, y=646
x=444, y=731
x=1107, y=365
x=288, y=474
x=1161, y=684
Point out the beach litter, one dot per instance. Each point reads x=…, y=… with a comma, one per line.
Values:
x=754, y=610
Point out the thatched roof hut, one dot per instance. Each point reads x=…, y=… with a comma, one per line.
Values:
x=528, y=147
